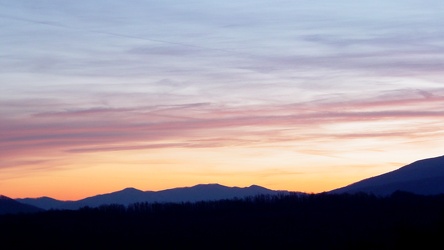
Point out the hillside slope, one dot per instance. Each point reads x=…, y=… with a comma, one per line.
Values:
x=10, y=206
x=421, y=177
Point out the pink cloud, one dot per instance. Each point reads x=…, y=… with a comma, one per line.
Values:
x=207, y=125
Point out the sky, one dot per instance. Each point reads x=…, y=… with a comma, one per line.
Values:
x=300, y=95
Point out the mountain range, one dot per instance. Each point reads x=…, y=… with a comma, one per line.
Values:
x=202, y=192
x=424, y=177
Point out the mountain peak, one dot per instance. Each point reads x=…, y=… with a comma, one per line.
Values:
x=257, y=187
x=209, y=185
x=2, y=197
x=130, y=189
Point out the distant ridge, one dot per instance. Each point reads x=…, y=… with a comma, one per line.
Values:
x=425, y=177
x=201, y=192
x=10, y=206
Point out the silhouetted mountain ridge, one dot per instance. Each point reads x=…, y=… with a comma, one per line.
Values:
x=10, y=206
x=425, y=177
x=127, y=196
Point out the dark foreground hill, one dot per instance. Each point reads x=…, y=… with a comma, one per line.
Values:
x=202, y=192
x=10, y=206
x=318, y=221
x=421, y=177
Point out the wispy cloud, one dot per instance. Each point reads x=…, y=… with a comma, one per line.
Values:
x=209, y=125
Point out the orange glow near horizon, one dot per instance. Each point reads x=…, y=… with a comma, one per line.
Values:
x=97, y=173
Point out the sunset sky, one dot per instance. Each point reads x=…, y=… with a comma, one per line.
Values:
x=301, y=95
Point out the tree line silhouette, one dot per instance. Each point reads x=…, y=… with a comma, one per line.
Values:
x=286, y=221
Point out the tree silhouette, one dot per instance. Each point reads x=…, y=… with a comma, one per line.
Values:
x=292, y=221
